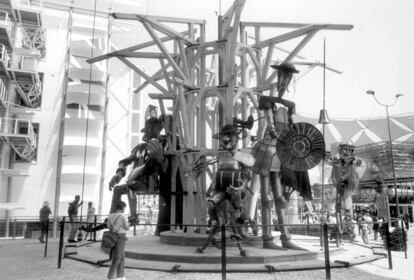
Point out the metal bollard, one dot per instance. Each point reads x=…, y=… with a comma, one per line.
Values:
x=321, y=236
x=387, y=240
x=47, y=237
x=223, y=252
x=62, y=232
x=94, y=225
x=14, y=229
x=326, y=249
x=404, y=236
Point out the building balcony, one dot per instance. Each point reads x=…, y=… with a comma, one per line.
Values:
x=20, y=135
x=5, y=29
x=23, y=63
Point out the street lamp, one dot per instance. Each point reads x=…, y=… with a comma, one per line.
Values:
x=371, y=92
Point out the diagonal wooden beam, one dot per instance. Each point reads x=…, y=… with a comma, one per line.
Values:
x=163, y=49
x=301, y=45
x=142, y=74
x=266, y=65
x=165, y=29
x=166, y=75
x=294, y=25
x=132, y=48
x=293, y=53
x=288, y=36
x=128, y=16
x=150, y=55
x=159, y=75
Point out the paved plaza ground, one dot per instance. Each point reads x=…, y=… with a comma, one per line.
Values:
x=23, y=259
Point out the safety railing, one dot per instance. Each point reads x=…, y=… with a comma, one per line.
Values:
x=328, y=237
x=23, y=63
x=17, y=127
x=222, y=243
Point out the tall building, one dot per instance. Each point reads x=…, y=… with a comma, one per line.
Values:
x=64, y=123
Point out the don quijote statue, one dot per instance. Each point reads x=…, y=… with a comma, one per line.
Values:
x=283, y=155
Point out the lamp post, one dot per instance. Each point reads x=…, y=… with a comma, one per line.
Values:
x=371, y=92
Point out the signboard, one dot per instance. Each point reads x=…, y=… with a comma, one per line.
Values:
x=383, y=206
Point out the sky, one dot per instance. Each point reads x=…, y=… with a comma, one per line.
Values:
x=375, y=55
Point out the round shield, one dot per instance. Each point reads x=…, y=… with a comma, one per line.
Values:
x=300, y=146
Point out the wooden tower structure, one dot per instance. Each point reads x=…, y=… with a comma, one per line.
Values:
x=207, y=82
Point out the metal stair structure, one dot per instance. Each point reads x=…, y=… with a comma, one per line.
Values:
x=22, y=44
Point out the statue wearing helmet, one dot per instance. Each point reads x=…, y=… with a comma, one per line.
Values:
x=274, y=176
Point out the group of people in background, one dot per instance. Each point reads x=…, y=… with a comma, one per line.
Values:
x=365, y=220
x=45, y=212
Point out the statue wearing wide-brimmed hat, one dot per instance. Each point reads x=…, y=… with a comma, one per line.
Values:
x=275, y=174
x=225, y=195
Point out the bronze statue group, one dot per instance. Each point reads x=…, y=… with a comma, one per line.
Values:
x=280, y=160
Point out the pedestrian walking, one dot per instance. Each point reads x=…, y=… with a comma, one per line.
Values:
x=44, y=220
x=73, y=217
x=117, y=223
x=364, y=230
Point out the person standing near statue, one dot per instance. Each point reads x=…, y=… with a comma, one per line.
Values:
x=73, y=217
x=117, y=223
x=90, y=218
x=44, y=220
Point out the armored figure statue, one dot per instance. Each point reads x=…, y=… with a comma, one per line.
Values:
x=345, y=177
x=225, y=201
x=149, y=162
x=275, y=177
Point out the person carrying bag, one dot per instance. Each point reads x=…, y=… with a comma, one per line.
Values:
x=115, y=240
x=110, y=237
